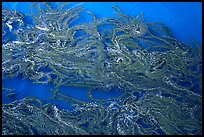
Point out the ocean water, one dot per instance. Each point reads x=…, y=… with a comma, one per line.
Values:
x=184, y=18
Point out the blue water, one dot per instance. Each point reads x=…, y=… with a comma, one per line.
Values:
x=184, y=18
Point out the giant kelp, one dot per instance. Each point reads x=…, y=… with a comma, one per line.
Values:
x=156, y=73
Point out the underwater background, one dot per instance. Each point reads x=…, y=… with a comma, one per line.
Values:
x=185, y=21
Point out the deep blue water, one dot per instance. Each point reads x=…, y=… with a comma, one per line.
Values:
x=184, y=18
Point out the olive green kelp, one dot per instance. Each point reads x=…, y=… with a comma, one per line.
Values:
x=157, y=74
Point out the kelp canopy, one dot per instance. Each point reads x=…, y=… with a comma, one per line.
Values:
x=157, y=73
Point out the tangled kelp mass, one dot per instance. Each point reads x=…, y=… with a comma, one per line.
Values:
x=160, y=77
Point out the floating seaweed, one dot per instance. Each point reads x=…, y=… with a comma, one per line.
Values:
x=156, y=73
